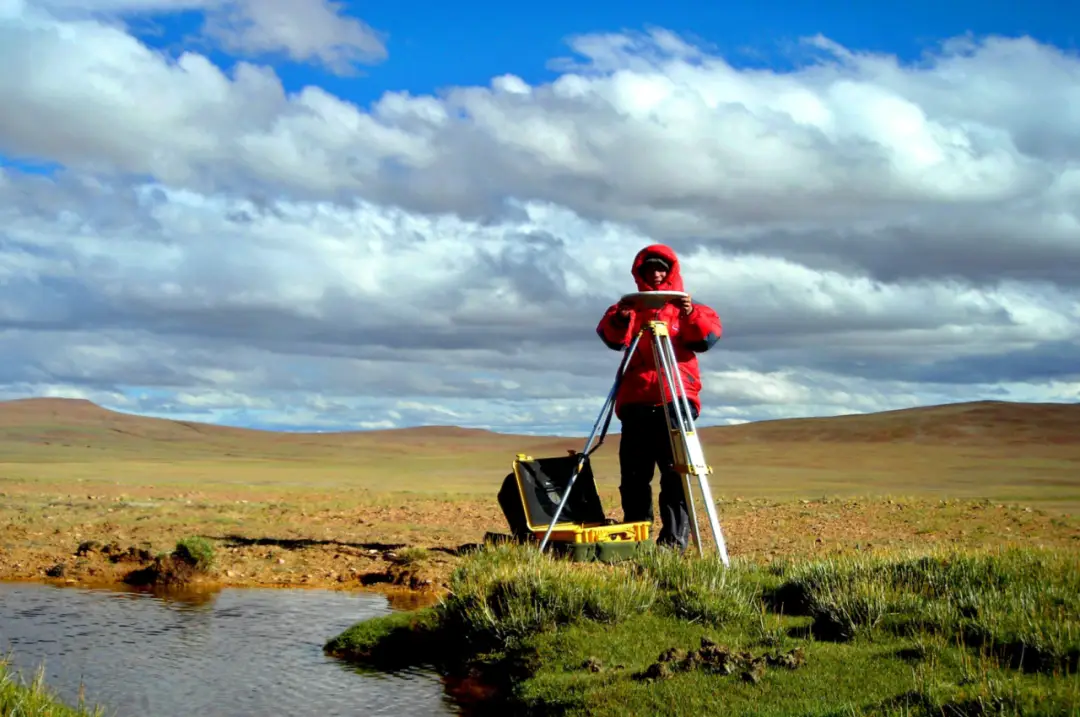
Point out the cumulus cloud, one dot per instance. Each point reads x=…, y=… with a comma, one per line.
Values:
x=873, y=235
x=643, y=131
x=308, y=30
x=314, y=31
x=369, y=306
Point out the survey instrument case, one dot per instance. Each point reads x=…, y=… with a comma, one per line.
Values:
x=531, y=492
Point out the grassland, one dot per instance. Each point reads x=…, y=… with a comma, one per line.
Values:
x=941, y=632
x=88, y=494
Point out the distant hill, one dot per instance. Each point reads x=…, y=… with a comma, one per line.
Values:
x=974, y=423
x=68, y=413
x=45, y=423
x=59, y=421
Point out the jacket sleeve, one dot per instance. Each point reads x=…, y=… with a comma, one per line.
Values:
x=701, y=329
x=612, y=330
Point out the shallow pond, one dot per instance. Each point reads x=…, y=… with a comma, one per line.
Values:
x=232, y=652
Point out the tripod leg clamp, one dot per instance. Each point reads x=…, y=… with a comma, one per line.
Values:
x=691, y=470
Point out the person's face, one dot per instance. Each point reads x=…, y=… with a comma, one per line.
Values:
x=654, y=275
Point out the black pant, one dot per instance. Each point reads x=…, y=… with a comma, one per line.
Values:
x=645, y=444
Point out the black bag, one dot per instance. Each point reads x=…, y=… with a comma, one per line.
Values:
x=530, y=495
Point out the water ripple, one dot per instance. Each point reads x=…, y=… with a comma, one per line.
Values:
x=240, y=652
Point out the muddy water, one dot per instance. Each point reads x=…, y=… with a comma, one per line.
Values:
x=234, y=652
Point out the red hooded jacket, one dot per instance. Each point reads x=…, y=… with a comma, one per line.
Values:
x=690, y=335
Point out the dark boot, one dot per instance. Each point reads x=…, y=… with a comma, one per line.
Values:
x=674, y=514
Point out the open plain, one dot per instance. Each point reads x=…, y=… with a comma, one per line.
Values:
x=91, y=496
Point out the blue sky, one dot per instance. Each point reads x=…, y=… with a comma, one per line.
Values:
x=873, y=237
x=434, y=44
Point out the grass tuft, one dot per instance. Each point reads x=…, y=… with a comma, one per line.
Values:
x=390, y=642
x=511, y=591
x=412, y=556
x=192, y=555
x=196, y=551
x=35, y=699
x=699, y=589
x=1020, y=605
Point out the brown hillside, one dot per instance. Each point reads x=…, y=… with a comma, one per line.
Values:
x=68, y=413
x=40, y=423
x=59, y=420
x=982, y=423
x=66, y=419
x=78, y=411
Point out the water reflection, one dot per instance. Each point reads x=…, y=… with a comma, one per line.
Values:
x=233, y=652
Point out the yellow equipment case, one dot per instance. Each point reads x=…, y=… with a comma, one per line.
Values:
x=531, y=493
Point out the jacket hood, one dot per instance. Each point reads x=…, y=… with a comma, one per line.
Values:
x=673, y=282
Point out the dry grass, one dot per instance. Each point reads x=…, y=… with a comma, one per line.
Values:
x=329, y=509
x=1003, y=452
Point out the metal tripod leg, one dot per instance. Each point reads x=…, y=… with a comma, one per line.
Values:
x=608, y=405
x=676, y=427
x=685, y=445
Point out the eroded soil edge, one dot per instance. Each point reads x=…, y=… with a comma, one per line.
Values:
x=414, y=544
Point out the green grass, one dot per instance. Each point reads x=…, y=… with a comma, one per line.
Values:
x=197, y=551
x=942, y=633
x=1021, y=605
x=412, y=556
x=19, y=698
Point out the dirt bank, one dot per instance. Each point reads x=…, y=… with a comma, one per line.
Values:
x=100, y=540
x=401, y=543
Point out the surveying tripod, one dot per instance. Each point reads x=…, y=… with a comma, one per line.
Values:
x=689, y=458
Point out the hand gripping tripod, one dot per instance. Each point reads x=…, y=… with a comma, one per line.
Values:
x=685, y=446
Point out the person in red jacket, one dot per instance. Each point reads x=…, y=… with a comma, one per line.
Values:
x=641, y=400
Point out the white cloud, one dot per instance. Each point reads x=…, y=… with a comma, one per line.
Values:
x=306, y=30
x=302, y=30
x=873, y=235
x=675, y=145
x=403, y=317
